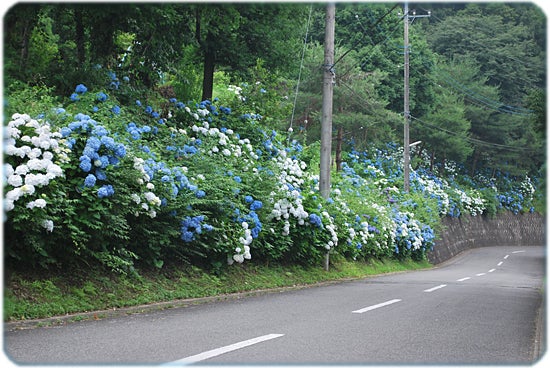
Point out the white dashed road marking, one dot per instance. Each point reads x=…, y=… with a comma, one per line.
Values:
x=225, y=349
x=435, y=288
x=363, y=310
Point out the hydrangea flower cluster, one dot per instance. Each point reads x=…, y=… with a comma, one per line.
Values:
x=514, y=200
x=100, y=151
x=148, y=201
x=288, y=200
x=433, y=187
x=237, y=90
x=79, y=90
x=409, y=232
x=242, y=253
x=363, y=236
x=187, y=167
x=192, y=226
x=331, y=228
x=471, y=202
x=33, y=154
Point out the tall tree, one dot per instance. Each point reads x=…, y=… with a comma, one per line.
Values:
x=445, y=130
x=506, y=50
x=496, y=58
x=358, y=107
x=234, y=36
x=19, y=24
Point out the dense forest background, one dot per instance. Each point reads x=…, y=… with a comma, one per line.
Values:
x=477, y=69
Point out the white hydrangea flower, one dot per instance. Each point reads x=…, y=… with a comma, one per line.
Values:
x=48, y=225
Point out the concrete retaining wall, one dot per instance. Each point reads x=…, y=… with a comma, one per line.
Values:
x=467, y=232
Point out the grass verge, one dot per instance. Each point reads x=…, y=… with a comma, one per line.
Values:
x=28, y=298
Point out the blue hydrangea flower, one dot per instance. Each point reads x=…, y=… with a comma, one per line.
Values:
x=100, y=175
x=108, y=142
x=104, y=161
x=66, y=131
x=191, y=226
x=85, y=163
x=90, y=180
x=315, y=220
x=120, y=150
x=105, y=191
x=70, y=142
x=187, y=236
x=256, y=205
x=81, y=89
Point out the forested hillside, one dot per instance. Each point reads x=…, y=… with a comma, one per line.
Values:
x=145, y=136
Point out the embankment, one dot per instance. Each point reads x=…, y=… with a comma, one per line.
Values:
x=468, y=232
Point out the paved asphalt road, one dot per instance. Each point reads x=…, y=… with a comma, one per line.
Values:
x=480, y=307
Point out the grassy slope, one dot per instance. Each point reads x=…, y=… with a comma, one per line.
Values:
x=27, y=297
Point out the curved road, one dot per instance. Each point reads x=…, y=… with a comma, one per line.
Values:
x=480, y=307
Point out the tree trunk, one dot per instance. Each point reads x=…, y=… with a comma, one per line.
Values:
x=474, y=163
x=208, y=72
x=209, y=61
x=443, y=160
x=25, y=40
x=419, y=155
x=79, y=30
x=339, y=139
x=208, y=76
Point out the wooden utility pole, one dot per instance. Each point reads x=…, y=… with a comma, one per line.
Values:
x=328, y=84
x=326, y=122
x=406, y=112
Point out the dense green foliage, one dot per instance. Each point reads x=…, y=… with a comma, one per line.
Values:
x=112, y=157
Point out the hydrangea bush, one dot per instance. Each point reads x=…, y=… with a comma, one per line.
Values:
x=208, y=184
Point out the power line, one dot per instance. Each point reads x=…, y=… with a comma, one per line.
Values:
x=529, y=65
x=476, y=97
x=364, y=31
x=301, y=66
x=496, y=105
x=363, y=61
x=475, y=141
